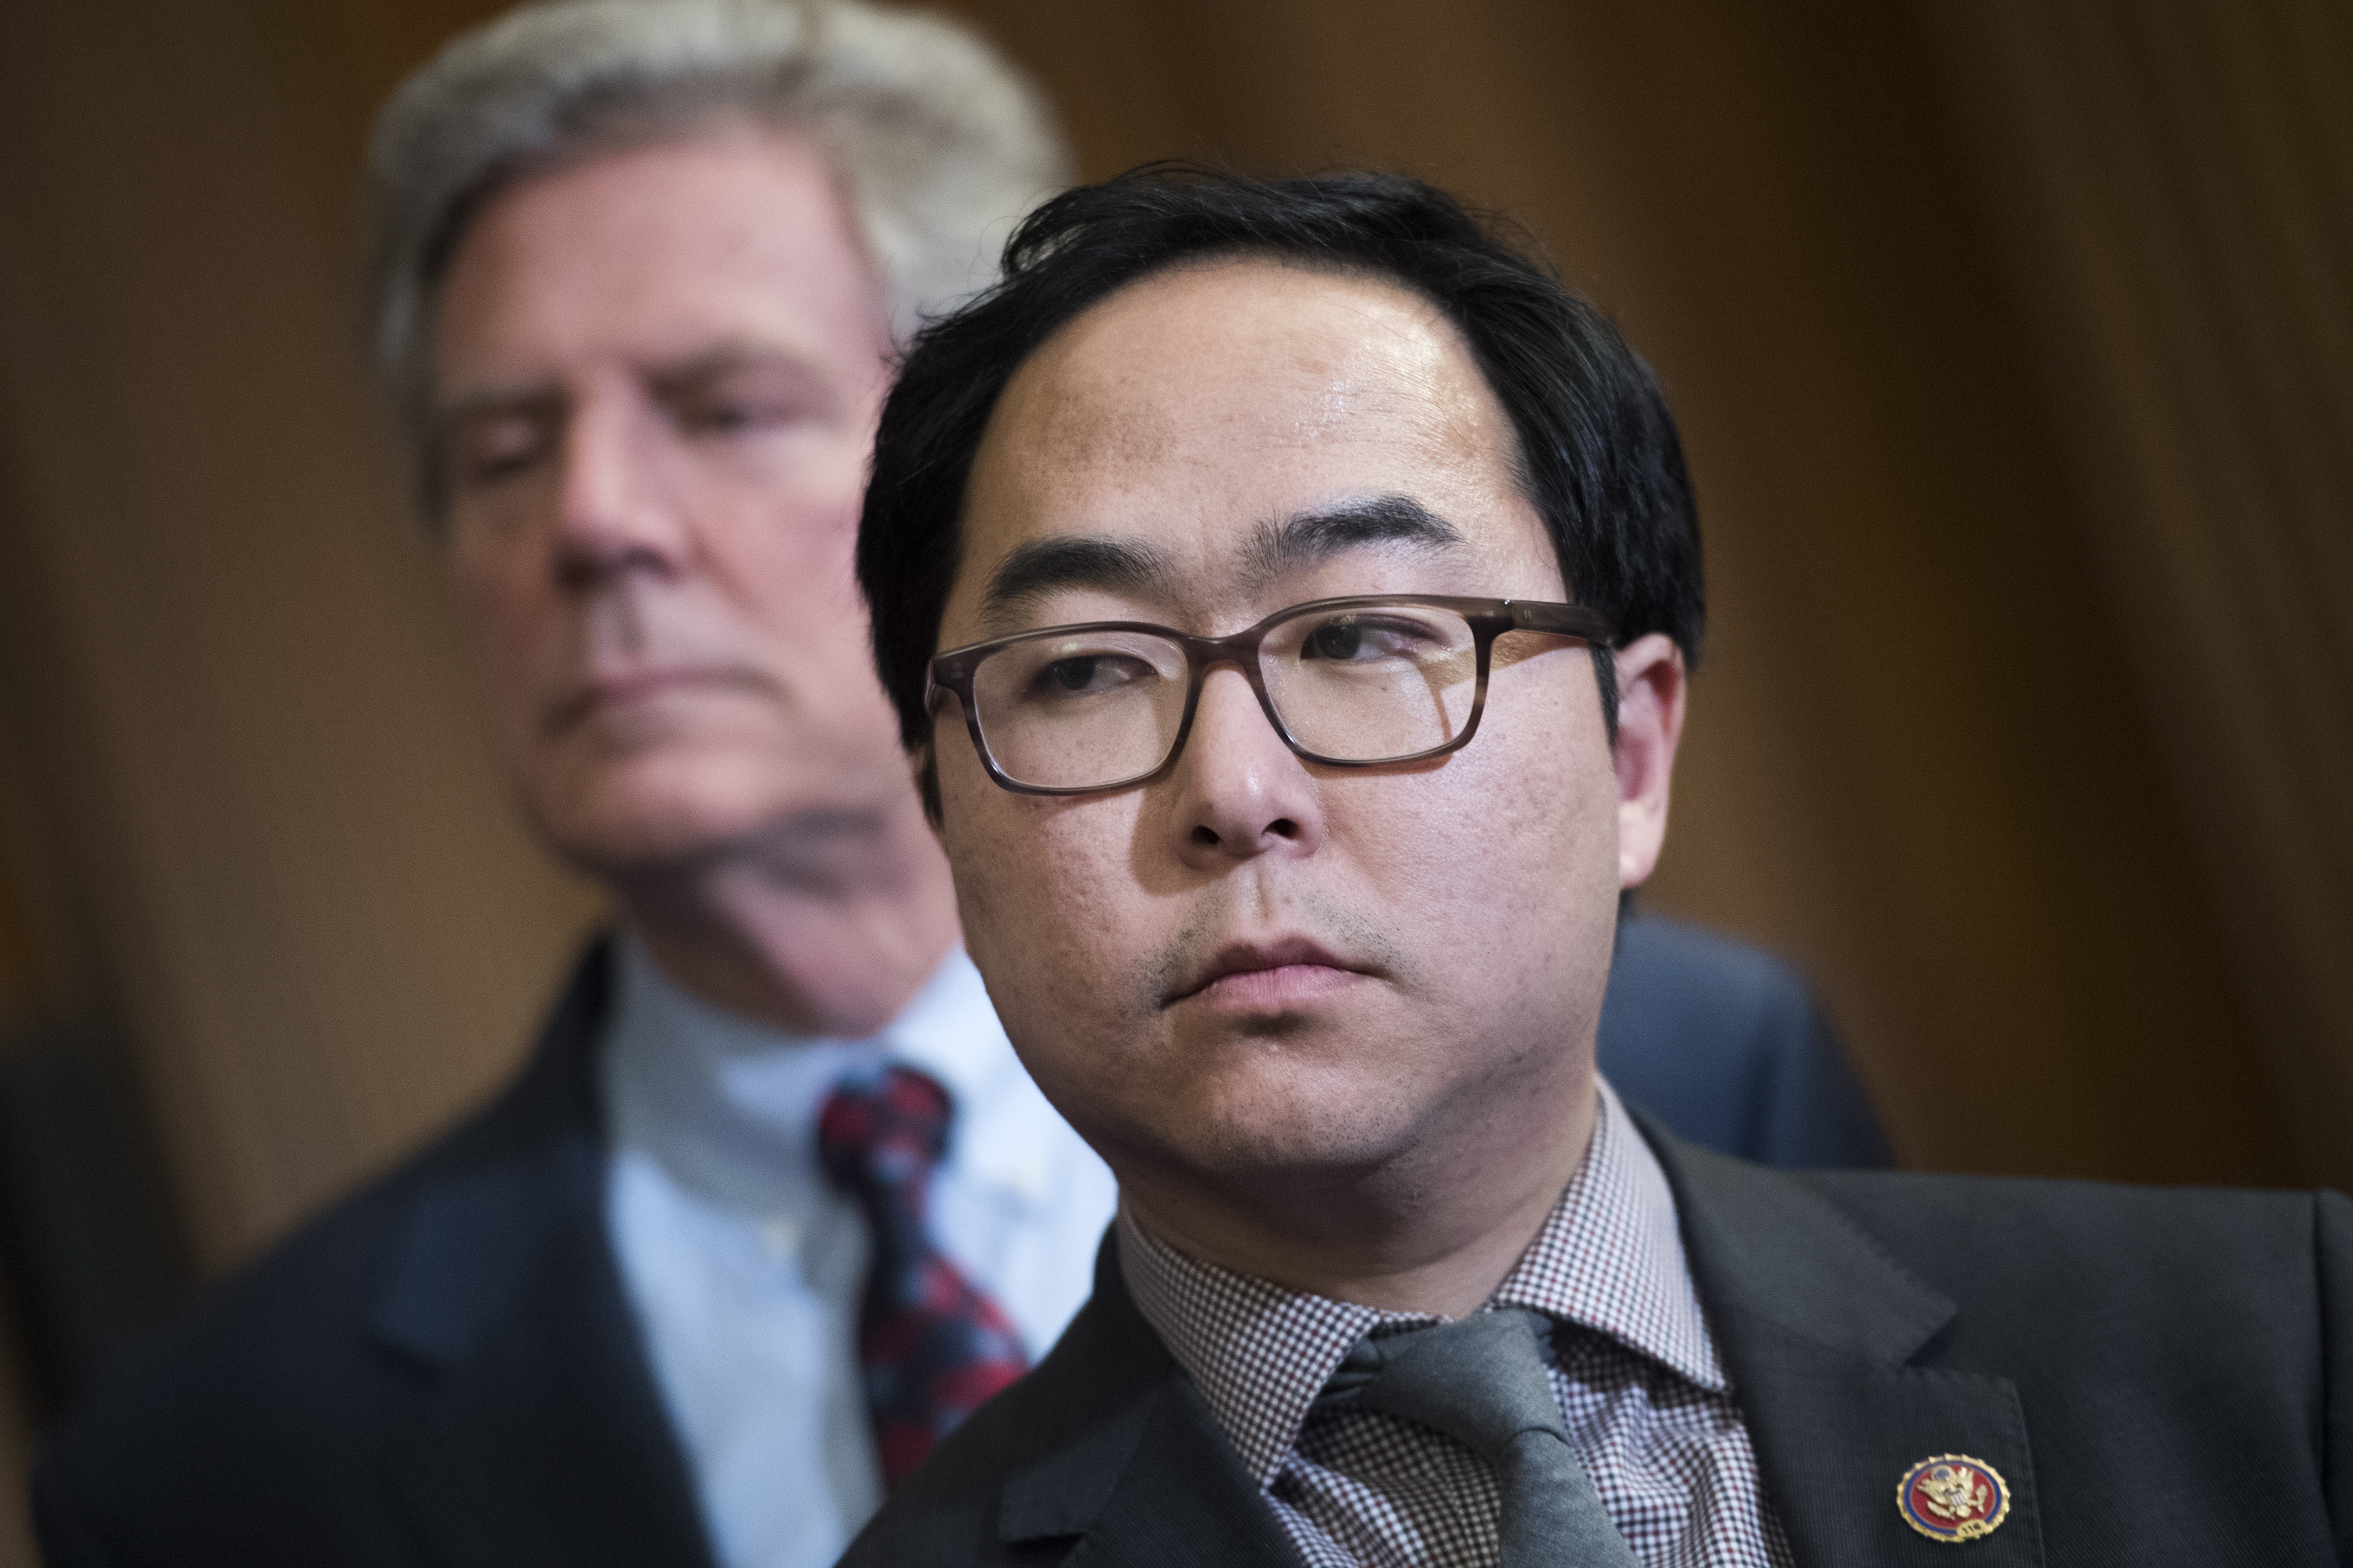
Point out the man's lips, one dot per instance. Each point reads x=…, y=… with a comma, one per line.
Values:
x=1267, y=974
x=628, y=688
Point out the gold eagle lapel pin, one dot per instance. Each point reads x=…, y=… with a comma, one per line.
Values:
x=1951, y=1497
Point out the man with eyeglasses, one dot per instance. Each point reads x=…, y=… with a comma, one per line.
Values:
x=1286, y=591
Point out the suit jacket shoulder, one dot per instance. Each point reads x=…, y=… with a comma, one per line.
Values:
x=2161, y=1376
x=441, y=1368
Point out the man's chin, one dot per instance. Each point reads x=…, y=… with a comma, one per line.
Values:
x=622, y=827
x=611, y=811
x=1260, y=1141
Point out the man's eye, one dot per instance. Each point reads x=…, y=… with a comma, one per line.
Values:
x=1089, y=674
x=727, y=418
x=487, y=451
x=1357, y=640
x=1338, y=639
x=735, y=412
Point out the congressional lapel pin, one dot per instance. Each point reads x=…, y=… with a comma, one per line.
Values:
x=1951, y=1497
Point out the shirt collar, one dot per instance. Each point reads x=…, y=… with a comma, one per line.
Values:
x=950, y=1030
x=1609, y=1259
x=1610, y=1256
x=729, y=1105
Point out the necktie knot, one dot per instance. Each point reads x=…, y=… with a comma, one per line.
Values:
x=1480, y=1379
x=1485, y=1382
x=886, y=1136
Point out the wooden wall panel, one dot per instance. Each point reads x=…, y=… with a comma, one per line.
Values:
x=2194, y=322
x=320, y=925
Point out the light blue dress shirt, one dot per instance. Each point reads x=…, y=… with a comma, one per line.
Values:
x=745, y=1267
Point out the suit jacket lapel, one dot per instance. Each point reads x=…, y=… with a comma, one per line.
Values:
x=1820, y=1329
x=1119, y=1449
x=539, y=1436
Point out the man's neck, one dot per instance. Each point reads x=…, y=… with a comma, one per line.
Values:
x=1437, y=1235
x=827, y=925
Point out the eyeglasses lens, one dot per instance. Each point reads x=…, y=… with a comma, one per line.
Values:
x=1372, y=682
x=1368, y=683
x=1076, y=710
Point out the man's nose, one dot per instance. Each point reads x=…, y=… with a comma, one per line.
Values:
x=1240, y=791
x=614, y=513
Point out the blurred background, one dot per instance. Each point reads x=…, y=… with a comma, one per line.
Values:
x=2012, y=342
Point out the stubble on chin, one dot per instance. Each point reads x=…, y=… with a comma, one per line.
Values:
x=1281, y=1097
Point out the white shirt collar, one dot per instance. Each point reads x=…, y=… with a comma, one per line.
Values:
x=729, y=1105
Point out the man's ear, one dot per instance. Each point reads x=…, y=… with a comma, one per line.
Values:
x=1651, y=690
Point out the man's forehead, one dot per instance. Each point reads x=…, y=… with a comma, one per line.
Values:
x=1199, y=413
x=731, y=239
x=1248, y=351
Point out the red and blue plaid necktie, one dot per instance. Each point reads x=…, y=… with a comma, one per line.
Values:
x=933, y=1348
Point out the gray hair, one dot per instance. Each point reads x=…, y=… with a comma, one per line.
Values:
x=938, y=143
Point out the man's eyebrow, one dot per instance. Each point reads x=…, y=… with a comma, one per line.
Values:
x=670, y=378
x=1305, y=538
x=1037, y=568
x=727, y=359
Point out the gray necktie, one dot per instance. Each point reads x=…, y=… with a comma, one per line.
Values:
x=1482, y=1381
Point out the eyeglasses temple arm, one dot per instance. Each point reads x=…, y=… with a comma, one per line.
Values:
x=1570, y=620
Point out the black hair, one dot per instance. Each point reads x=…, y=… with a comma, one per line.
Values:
x=1597, y=451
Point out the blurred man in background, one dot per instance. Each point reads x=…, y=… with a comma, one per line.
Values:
x=773, y=1201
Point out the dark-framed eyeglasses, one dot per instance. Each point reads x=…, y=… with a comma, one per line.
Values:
x=1349, y=682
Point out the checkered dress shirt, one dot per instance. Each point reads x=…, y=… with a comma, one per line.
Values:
x=1644, y=1397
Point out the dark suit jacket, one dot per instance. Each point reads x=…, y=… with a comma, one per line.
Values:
x=2165, y=1379
x=441, y=1369
x=1725, y=1044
